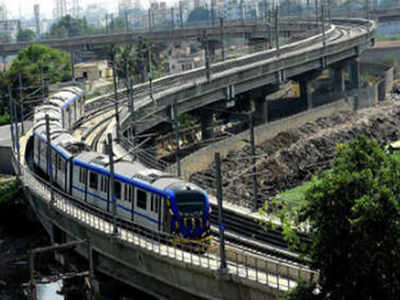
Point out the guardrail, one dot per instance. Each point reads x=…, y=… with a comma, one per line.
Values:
x=262, y=270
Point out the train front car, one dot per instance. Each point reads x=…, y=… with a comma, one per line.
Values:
x=190, y=215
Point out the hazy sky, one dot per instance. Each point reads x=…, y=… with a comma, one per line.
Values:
x=46, y=6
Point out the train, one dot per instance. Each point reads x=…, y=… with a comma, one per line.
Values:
x=151, y=199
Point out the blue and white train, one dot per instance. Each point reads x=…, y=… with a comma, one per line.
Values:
x=151, y=199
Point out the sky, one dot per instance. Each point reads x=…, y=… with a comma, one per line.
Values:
x=46, y=6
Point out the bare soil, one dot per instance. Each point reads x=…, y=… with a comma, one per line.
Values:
x=293, y=156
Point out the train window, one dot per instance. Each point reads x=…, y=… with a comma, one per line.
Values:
x=155, y=203
x=82, y=175
x=117, y=187
x=104, y=184
x=141, y=199
x=128, y=193
x=59, y=160
x=93, y=181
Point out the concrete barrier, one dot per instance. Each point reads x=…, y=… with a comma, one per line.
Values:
x=201, y=159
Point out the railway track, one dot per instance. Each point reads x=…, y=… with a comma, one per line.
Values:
x=237, y=226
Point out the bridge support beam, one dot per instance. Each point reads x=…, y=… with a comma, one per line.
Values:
x=306, y=92
x=338, y=80
x=260, y=107
x=354, y=72
x=207, y=124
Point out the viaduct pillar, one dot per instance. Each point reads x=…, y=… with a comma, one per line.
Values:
x=354, y=73
x=306, y=92
x=207, y=124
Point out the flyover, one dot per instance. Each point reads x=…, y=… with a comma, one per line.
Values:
x=147, y=262
x=257, y=75
x=246, y=29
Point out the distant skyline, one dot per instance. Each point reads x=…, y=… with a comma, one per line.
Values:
x=46, y=6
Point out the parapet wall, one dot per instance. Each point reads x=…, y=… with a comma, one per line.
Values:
x=201, y=159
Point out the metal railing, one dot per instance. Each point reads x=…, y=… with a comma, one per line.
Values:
x=266, y=271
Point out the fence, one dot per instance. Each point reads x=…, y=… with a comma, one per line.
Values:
x=253, y=267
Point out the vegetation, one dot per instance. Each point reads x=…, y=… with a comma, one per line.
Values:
x=137, y=58
x=69, y=26
x=9, y=191
x=5, y=37
x=33, y=64
x=351, y=215
x=25, y=35
x=199, y=15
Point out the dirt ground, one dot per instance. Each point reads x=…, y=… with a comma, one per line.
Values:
x=292, y=156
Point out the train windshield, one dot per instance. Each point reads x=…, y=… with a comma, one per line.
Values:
x=190, y=203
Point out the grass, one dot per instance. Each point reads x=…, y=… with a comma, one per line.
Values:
x=388, y=37
x=9, y=191
x=4, y=119
x=295, y=196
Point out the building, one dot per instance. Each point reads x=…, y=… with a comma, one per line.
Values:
x=93, y=71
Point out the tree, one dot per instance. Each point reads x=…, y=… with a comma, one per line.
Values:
x=5, y=37
x=33, y=64
x=352, y=214
x=68, y=26
x=137, y=58
x=198, y=15
x=25, y=35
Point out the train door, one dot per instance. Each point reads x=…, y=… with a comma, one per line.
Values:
x=155, y=210
x=93, y=188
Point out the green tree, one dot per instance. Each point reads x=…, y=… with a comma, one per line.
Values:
x=136, y=56
x=352, y=215
x=34, y=63
x=5, y=37
x=198, y=15
x=68, y=26
x=25, y=35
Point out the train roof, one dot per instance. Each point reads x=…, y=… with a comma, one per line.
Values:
x=65, y=96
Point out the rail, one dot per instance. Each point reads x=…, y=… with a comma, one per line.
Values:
x=276, y=275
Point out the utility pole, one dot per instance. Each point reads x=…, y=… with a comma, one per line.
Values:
x=13, y=115
x=73, y=66
x=126, y=21
x=21, y=101
x=316, y=12
x=223, y=266
x=204, y=41
x=181, y=14
x=150, y=73
x=323, y=24
x=241, y=12
x=367, y=9
x=131, y=104
x=49, y=162
x=172, y=18
x=221, y=20
x=114, y=68
x=213, y=13
x=175, y=122
x=149, y=17
x=112, y=183
x=253, y=161
x=107, y=29
x=277, y=31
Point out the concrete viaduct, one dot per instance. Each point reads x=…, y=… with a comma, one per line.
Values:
x=161, y=269
x=250, y=30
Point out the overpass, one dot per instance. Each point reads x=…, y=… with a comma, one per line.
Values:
x=146, y=261
x=248, y=29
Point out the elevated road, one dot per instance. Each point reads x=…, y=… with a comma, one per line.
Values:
x=140, y=259
x=343, y=44
x=235, y=29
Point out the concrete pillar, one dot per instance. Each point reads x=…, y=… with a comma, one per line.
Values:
x=306, y=92
x=207, y=125
x=354, y=72
x=338, y=80
x=260, y=106
x=211, y=49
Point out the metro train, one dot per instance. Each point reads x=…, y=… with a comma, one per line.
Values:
x=149, y=198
